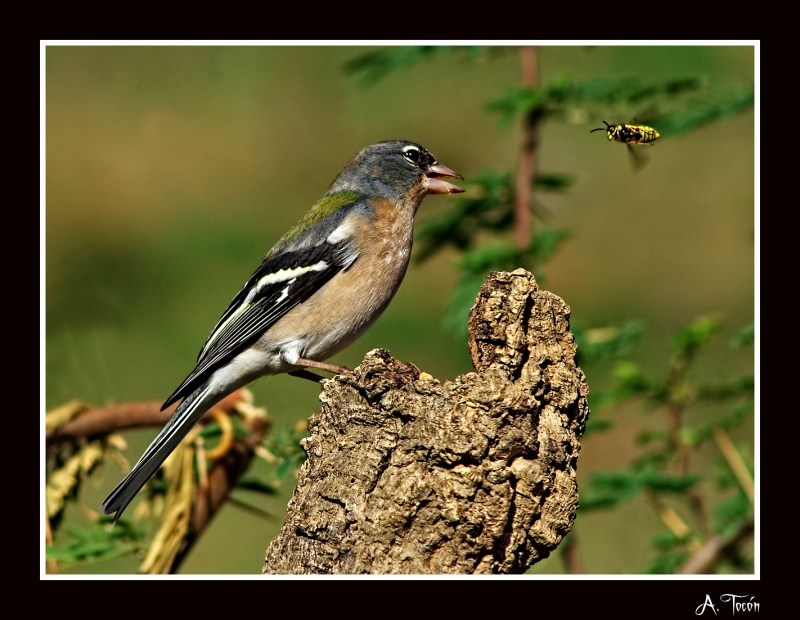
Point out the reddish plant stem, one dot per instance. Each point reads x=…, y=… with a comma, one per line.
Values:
x=571, y=556
x=527, y=160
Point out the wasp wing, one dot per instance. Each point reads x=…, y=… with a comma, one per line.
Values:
x=638, y=158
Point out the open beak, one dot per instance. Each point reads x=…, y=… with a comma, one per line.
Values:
x=436, y=185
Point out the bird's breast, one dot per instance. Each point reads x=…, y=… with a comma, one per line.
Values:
x=345, y=307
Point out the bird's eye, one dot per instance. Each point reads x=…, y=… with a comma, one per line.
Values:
x=412, y=154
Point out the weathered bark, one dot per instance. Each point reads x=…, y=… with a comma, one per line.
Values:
x=408, y=475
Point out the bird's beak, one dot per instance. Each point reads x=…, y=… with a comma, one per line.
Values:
x=436, y=185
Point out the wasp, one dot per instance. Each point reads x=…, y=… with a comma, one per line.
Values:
x=630, y=134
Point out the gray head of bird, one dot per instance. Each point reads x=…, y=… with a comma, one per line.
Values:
x=396, y=169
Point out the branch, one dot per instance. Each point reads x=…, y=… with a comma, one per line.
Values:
x=713, y=550
x=406, y=474
x=104, y=420
x=191, y=504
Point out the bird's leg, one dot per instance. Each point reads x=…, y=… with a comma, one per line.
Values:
x=304, y=374
x=337, y=370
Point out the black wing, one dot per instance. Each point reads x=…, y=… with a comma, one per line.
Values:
x=280, y=283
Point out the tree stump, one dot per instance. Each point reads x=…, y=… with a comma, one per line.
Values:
x=406, y=474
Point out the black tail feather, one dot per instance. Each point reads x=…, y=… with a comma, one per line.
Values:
x=177, y=427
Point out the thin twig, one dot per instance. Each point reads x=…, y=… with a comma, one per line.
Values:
x=249, y=508
x=704, y=560
x=698, y=508
x=672, y=520
x=735, y=462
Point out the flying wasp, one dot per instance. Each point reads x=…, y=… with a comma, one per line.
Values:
x=629, y=135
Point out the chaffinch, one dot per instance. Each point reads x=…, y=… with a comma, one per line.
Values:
x=322, y=285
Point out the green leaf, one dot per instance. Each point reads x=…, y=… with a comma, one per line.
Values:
x=616, y=92
x=744, y=336
x=492, y=256
x=703, y=110
x=666, y=540
x=604, y=343
x=728, y=515
x=545, y=243
x=621, y=484
x=284, y=443
x=739, y=412
x=554, y=181
x=705, y=432
x=210, y=430
x=652, y=436
x=654, y=459
x=590, y=500
x=518, y=101
x=284, y=468
x=609, y=488
x=461, y=301
x=698, y=334
x=525, y=101
x=725, y=478
x=737, y=387
x=631, y=380
x=100, y=541
x=693, y=437
x=487, y=205
x=254, y=484
x=667, y=483
x=667, y=563
x=479, y=262
x=374, y=66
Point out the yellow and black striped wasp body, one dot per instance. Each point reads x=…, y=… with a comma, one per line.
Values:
x=630, y=134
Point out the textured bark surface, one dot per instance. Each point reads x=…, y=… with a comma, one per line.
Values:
x=406, y=474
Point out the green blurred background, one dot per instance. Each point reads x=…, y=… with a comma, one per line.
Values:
x=172, y=170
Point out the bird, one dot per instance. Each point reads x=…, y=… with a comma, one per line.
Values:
x=322, y=285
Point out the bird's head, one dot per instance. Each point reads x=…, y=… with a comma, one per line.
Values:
x=396, y=169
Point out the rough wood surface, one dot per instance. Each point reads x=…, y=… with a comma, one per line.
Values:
x=477, y=475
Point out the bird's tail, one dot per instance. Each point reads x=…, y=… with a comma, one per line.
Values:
x=179, y=424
